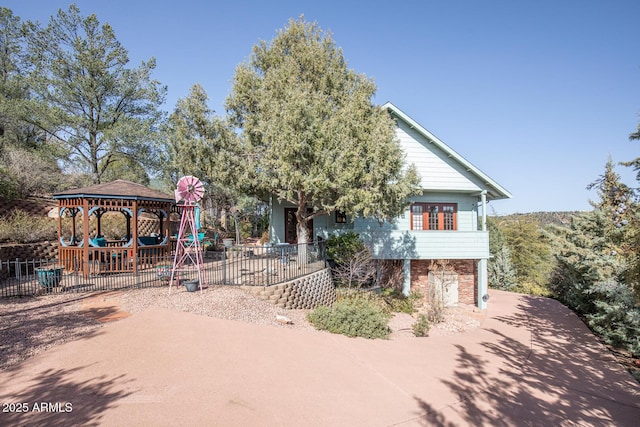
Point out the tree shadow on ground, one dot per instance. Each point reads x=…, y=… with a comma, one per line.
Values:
x=20, y=304
x=430, y=416
x=55, y=399
x=562, y=375
x=28, y=330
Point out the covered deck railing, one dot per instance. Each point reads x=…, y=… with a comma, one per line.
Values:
x=114, y=257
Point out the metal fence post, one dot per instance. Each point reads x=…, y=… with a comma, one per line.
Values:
x=224, y=265
x=136, y=267
x=266, y=273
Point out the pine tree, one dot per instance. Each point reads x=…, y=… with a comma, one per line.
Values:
x=592, y=270
x=28, y=165
x=85, y=98
x=200, y=143
x=584, y=258
x=13, y=90
x=633, y=233
x=618, y=203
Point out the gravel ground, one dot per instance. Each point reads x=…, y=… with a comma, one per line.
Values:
x=456, y=320
x=223, y=302
x=31, y=325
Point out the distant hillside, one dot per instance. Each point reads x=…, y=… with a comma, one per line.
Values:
x=543, y=219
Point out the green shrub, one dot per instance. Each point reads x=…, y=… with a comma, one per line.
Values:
x=532, y=288
x=422, y=326
x=341, y=248
x=616, y=317
x=26, y=172
x=245, y=229
x=21, y=227
x=353, y=317
x=399, y=303
x=362, y=297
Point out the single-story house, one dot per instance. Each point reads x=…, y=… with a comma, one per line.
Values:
x=447, y=222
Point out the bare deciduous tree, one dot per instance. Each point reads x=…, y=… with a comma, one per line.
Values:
x=442, y=273
x=357, y=270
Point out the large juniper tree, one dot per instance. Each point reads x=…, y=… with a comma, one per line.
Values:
x=311, y=134
x=85, y=97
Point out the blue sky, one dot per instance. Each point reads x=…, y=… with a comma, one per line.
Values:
x=537, y=94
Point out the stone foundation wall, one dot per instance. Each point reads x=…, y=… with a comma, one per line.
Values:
x=306, y=292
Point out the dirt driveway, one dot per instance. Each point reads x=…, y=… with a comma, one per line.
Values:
x=532, y=362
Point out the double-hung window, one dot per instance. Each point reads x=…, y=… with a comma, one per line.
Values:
x=434, y=216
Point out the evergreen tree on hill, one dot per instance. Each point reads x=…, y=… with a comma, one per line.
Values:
x=592, y=273
x=85, y=98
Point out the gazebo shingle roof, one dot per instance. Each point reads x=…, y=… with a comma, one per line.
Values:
x=118, y=189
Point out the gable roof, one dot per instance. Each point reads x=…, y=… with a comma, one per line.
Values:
x=494, y=190
x=118, y=189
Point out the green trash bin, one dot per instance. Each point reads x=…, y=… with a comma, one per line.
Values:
x=49, y=277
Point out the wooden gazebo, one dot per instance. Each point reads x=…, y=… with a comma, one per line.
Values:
x=82, y=245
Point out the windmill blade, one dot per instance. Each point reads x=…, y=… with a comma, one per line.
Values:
x=190, y=189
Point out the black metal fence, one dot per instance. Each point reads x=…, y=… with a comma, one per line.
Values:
x=237, y=265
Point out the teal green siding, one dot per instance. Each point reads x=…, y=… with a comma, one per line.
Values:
x=323, y=225
x=438, y=170
x=276, y=223
x=387, y=244
x=395, y=240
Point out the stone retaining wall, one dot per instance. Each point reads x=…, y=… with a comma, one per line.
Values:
x=37, y=206
x=306, y=292
x=29, y=251
x=30, y=255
